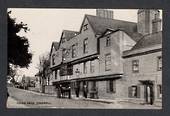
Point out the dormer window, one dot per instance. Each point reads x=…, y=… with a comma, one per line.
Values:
x=85, y=27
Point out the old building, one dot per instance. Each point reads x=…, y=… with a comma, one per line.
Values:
x=93, y=62
x=143, y=63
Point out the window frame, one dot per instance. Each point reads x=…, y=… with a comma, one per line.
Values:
x=136, y=91
x=85, y=45
x=111, y=86
x=108, y=62
x=135, y=64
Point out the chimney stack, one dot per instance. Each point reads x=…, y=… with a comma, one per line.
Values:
x=105, y=13
x=156, y=23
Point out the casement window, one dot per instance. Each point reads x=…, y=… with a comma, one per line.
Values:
x=107, y=62
x=73, y=51
x=92, y=66
x=53, y=59
x=159, y=91
x=111, y=86
x=135, y=66
x=85, y=45
x=159, y=63
x=134, y=91
x=108, y=41
x=85, y=67
x=85, y=27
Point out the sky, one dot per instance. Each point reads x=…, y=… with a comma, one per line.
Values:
x=46, y=26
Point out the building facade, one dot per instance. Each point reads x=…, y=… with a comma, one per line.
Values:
x=95, y=61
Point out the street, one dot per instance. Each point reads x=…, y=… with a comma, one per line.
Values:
x=27, y=99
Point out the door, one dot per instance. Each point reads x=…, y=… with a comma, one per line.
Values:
x=149, y=94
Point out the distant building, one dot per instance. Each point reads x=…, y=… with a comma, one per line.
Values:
x=100, y=60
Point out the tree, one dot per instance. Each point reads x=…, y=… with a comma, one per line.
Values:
x=18, y=53
x=44, y=69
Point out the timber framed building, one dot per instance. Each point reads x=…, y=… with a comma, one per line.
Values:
x=109, y=58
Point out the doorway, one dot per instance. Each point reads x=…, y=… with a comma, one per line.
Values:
x=149, y=93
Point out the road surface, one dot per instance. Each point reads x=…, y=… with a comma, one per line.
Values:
x=20, y=98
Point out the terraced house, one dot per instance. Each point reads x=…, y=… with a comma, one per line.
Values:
x=109, y=58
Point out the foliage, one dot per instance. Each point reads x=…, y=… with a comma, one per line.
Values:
x=18, y=53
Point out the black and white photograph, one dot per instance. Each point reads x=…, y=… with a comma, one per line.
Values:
x=63, y=58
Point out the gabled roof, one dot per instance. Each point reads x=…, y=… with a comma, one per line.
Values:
x=100, y=24
x=68, y=35
x=146, y=43
x=149, y=40
x=135, y=36
x=56, y=45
